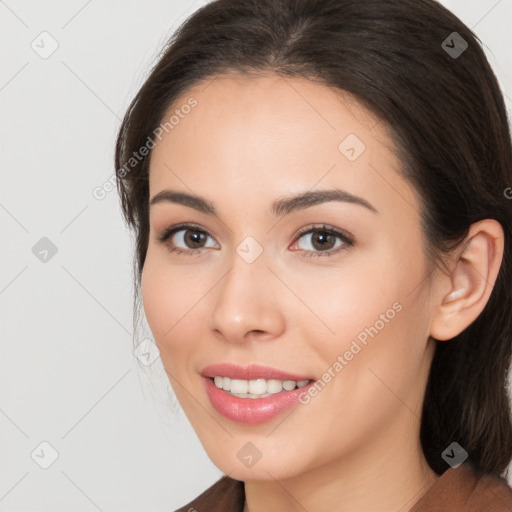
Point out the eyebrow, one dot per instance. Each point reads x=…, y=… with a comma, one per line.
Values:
x=280, y=207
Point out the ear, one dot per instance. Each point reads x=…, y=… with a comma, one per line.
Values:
x=466, y=290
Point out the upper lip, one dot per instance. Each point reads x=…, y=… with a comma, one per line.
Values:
x=251, y=372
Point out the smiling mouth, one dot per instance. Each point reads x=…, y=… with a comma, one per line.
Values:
x=253, y=394
x=257, y=388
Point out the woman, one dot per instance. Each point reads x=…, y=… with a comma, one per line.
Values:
x=318, y=190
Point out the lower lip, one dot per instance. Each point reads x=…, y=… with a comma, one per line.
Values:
x=252, y=411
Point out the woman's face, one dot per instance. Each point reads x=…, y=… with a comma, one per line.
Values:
x=255, y=285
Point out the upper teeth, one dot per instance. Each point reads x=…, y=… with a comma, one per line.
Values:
x=257, y=386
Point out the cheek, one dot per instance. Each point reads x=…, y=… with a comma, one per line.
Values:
x=384, y=350
x=172, y=302
x=374, y=318
x=154, y=300
x=162, y=297
x=346, y=299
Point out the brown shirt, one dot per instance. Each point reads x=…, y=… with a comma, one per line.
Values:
x=456, y=490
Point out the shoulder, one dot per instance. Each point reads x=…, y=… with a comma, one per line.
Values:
x=490, y=492
x=466, y=489
x=226, y=495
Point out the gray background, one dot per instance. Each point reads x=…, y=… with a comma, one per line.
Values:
x=68, y=374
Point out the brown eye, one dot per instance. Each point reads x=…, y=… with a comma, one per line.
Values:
x=185, y=239
x=193, y=239
x=323, y=241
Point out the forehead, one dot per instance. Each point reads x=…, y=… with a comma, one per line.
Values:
x=254, y=111
x=272, y=134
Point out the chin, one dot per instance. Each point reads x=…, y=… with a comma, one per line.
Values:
x=264, y=469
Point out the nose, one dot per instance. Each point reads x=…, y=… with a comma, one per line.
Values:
x=247, y=305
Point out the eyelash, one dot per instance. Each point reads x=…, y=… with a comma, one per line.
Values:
x=347, y=240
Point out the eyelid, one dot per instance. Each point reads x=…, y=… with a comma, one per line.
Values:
x=347, y=238
x=171, y=230
x=327, y=228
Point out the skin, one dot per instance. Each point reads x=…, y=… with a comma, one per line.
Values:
x=248, y=142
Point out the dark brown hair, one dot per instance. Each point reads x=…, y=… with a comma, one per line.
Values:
x=449, y=125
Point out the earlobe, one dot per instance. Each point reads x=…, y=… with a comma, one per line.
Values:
x=470, y=282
